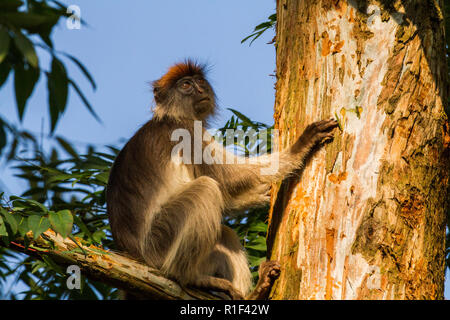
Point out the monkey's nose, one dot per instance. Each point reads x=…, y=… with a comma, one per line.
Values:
x=199, y=89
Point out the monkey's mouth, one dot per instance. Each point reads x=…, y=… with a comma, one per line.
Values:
x=203, y=100
x=203, y=105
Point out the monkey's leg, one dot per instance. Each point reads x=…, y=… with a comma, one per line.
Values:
x=185, y=230
x=184, y=233
x=229, y=261
x=219, y=284
x=269, y=271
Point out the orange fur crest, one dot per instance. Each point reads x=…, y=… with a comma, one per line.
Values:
x=178, y=71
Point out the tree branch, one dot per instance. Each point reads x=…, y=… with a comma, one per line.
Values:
x=109, y=267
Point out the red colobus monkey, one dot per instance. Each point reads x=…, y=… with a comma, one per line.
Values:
x=169, y=213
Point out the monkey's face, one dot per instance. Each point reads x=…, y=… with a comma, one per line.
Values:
x=195, y=93
x=184, y=93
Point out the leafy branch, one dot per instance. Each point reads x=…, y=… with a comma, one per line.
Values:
x=25, y=25
x=261, y=28
x=67, y=195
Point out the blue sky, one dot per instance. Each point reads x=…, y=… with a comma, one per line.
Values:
x=130, y=43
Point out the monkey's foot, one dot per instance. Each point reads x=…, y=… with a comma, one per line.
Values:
x=269, y=271
x=220, y=285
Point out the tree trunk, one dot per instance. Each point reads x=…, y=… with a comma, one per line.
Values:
x=366, y=219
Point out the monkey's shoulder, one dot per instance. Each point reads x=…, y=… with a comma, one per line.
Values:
x=153, y=141
x=161, y=131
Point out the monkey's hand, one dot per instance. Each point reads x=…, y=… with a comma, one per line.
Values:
x=314, y=134
x=269, y=271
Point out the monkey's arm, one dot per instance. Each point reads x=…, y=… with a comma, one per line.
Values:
x=246, y=181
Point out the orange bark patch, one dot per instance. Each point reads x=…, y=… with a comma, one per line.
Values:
x=338, y=47
x=446, y=135
x=326, y=44
x=340, y=6
x=351, y=18
x=338, y=178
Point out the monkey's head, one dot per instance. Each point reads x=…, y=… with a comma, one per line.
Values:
x=184, y=93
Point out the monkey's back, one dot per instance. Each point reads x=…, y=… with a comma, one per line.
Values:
x=136, y=180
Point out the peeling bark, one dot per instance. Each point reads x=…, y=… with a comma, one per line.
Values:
x=366, y=220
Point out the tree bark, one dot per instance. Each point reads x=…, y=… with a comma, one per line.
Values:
x=366, y=219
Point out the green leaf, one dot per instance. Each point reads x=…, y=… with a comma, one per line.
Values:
x=22, y=225
x=3, y=231
x=98, y=236
x=5, y=68
x=52, y=265
x=82, y=226
x=83, y=69
x=57, y=84
x=36, y=265
x=24, y=82
x=103, y=177
x=241, y=116
x=256, y=261
x=258, y=244
x=62, y=222
x=26, y=47
x=38, y=224
x=10, y=4
x=4, y=43
x=10, y=220
x=261, y=28
x=67, y=146
x=28, y=203
x=85, y=101
x=259, y=227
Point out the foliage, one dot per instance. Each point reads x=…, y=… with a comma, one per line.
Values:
x=67, y=194
x=26, y=25
x=261, y=28
x=244, y=128
x=251, y=225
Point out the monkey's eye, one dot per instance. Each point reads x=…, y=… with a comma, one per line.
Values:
x=186, y=85
x=201, y=81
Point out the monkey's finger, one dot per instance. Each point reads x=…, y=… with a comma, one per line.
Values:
x=328, y=138
x=328, y=125
x=274, y=274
